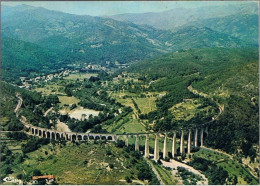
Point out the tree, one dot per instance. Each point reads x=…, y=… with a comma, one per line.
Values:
x=7, y=170
x=37, y=172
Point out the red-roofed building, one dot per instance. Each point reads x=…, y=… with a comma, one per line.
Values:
x=49, y=177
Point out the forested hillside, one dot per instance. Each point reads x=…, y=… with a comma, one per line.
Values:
x=8, y=104
x=21, y=59
x=82, y=38
x=228, y=76
x=58, y=38
x=244, y=27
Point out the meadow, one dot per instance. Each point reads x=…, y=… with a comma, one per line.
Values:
x=80, y=76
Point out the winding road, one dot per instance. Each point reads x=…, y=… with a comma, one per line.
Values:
x=20, y=101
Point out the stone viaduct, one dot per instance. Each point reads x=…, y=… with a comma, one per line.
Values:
x=194, y=136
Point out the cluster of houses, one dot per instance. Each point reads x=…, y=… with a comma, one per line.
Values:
x=27, y=83
x=95, y=67
x=124, y=75
x=117, y=78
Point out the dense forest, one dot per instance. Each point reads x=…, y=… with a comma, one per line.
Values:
x=23, y=59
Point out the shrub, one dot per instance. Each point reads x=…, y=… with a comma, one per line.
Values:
x=19, y=176
x=108, y=152
x=37, y=172
x=111, y=165
x=128, y=180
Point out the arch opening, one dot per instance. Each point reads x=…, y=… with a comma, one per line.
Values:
x=53, y=135
x=73, y=137
x=103, y=137
x=57, y=136
x=48, y=135
x=91, y=137
x=85, y=137
x=79, y=137
x=44, y=134
x=97, y=137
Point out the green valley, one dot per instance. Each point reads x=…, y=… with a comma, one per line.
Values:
x=167, y=97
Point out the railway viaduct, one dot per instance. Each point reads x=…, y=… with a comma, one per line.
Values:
x=193, y=134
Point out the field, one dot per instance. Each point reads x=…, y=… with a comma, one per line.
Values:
x=13, y=145
x=146, y=104
x=51, y=88
x=68, y=100
x=126, y=125
x=92, y=165
x=233, y=167
x=80, y=76
x=187, y=109
x=3, y=122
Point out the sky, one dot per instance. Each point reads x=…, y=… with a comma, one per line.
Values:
x=101, y=8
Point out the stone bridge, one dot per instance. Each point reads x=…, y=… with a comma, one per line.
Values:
x=195, y=137
x=68, y=136
x=193, y=134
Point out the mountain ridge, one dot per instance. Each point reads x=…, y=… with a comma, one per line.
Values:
x=174, y=18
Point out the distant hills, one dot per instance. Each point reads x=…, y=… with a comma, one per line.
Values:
x=242, y=26
x=178, y=17
x=86, y=39
x=240, y=20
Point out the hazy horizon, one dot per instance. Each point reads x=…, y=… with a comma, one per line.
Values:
x=109, y=8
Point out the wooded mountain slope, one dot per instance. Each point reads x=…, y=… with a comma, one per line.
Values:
x=228, y=76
